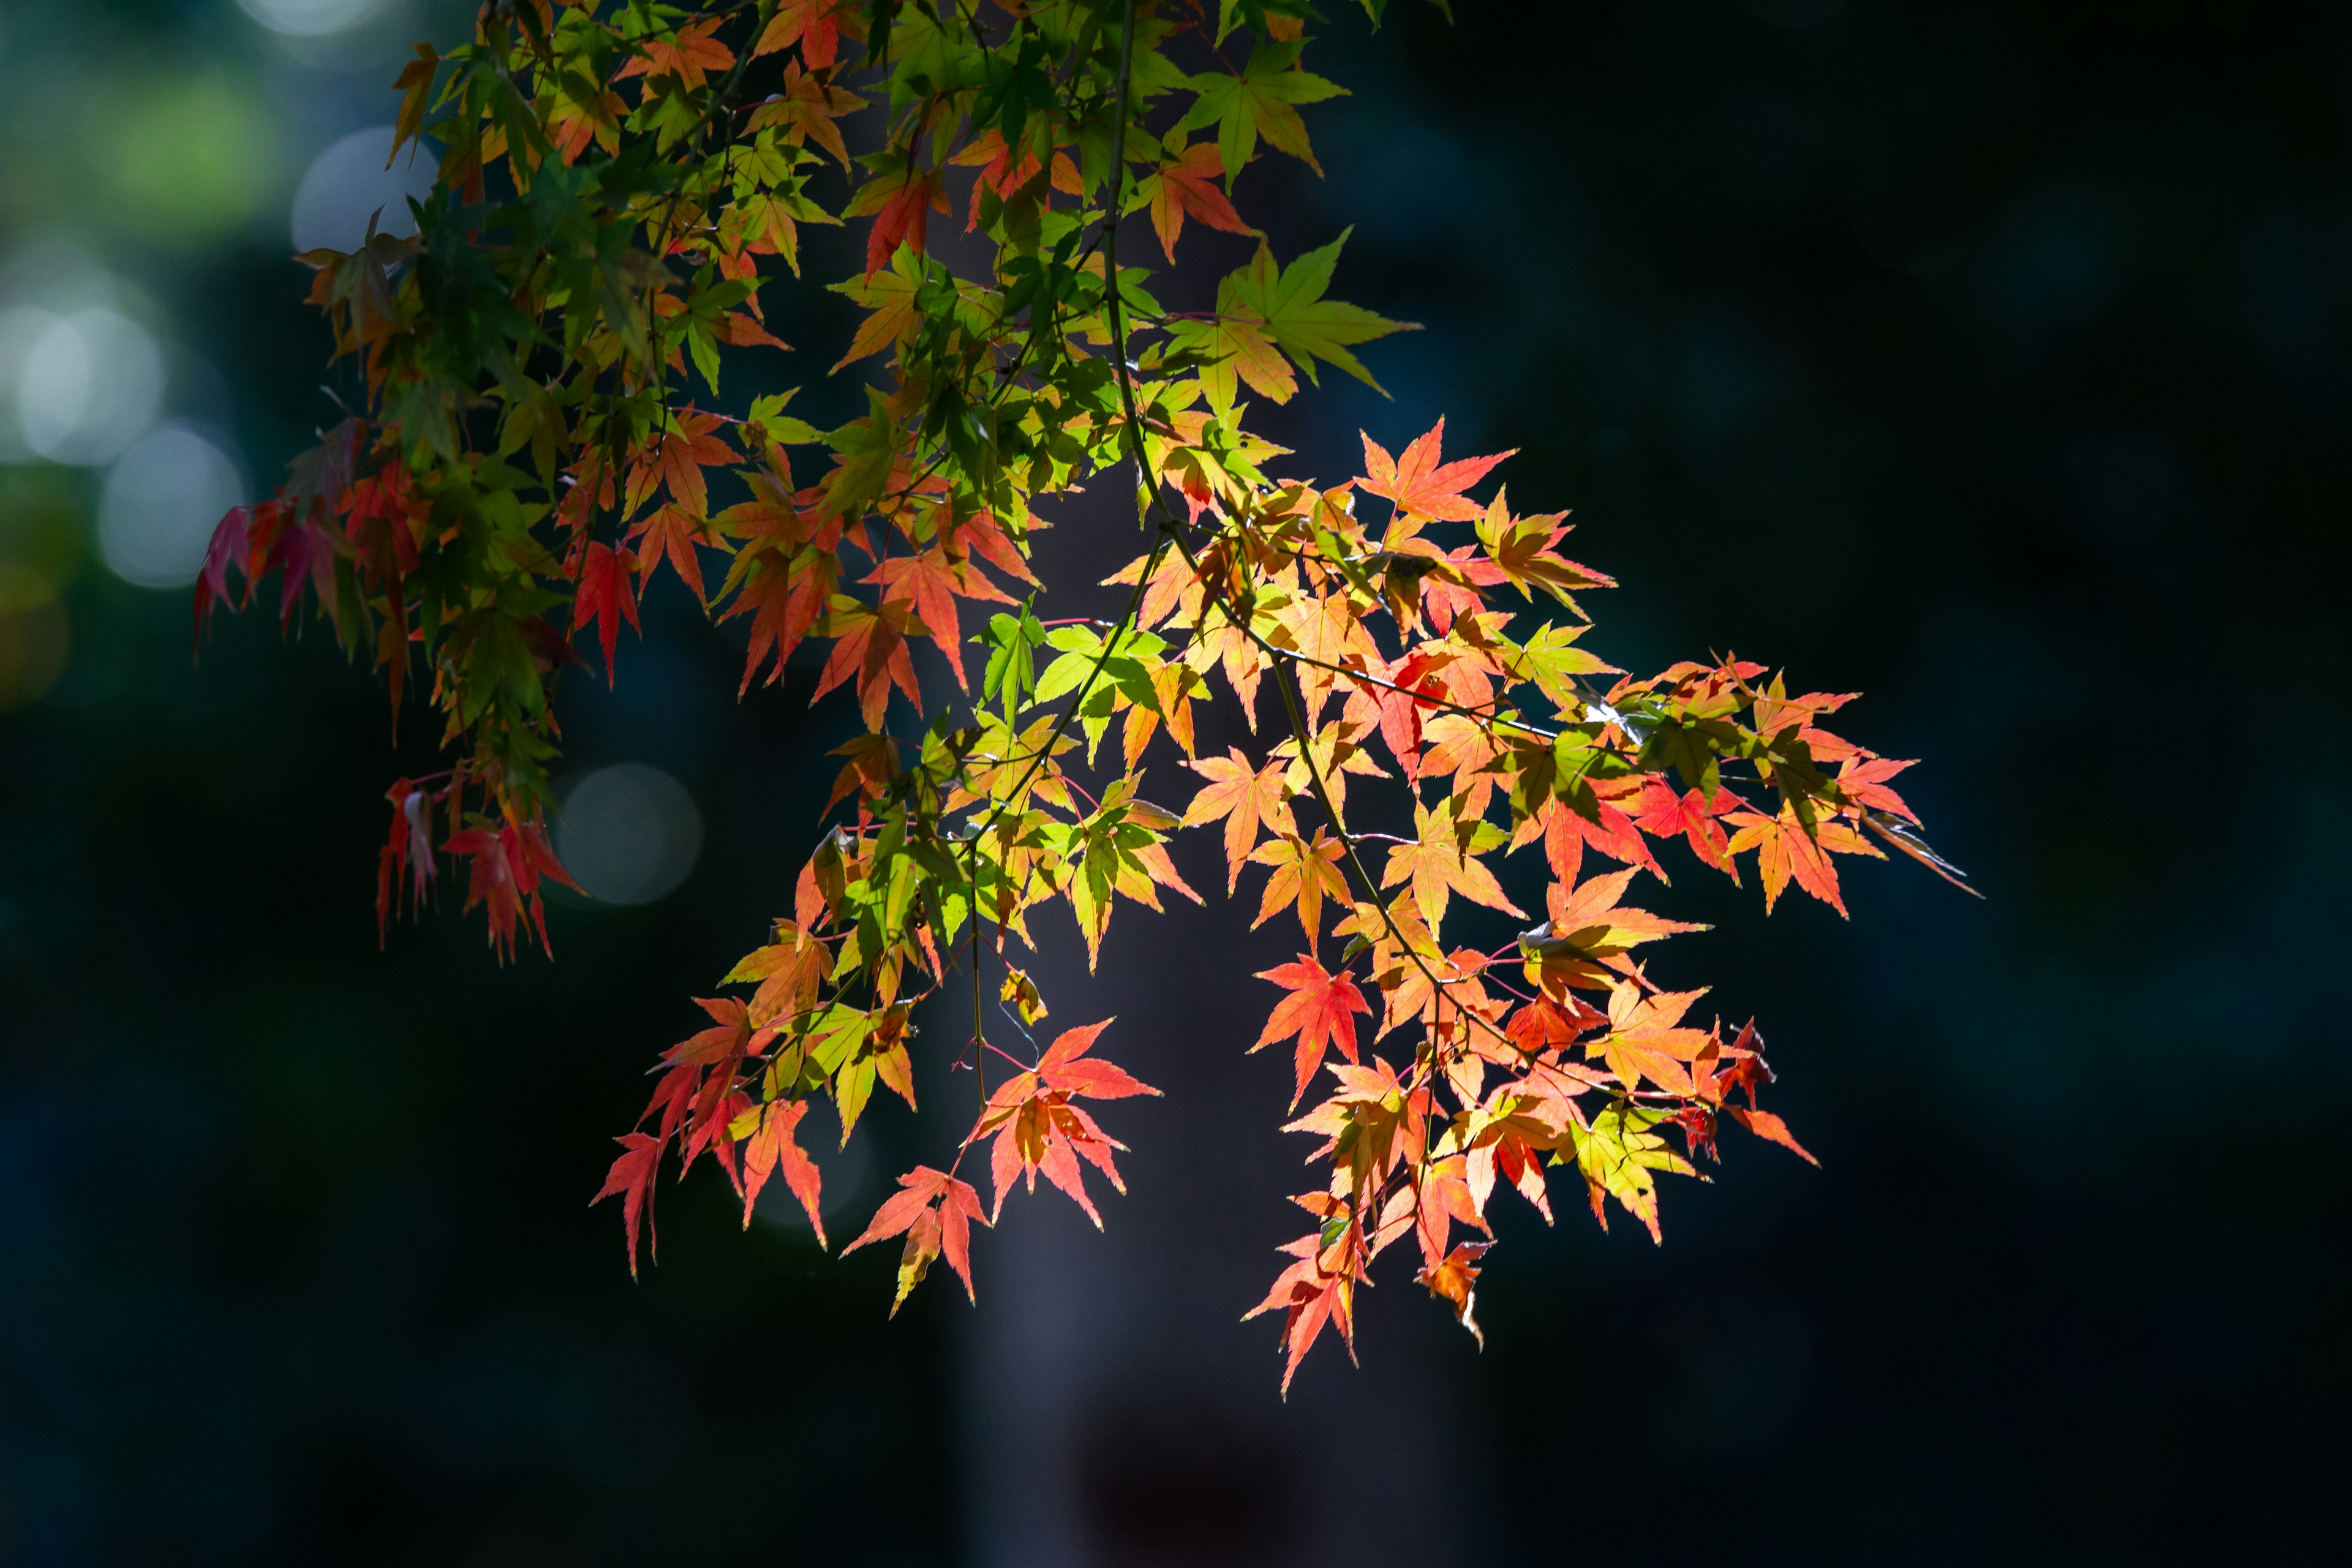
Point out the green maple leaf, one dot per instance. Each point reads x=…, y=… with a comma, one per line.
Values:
x=1264, y=304
x=1259, y=102
x=1616, y=1154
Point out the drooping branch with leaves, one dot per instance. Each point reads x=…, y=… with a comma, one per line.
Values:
x=542, y=435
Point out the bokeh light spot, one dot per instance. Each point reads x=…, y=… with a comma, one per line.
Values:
x=349, y=181
x=77, y=388
x=162, y=500
x=310, y=18
x=629, y=834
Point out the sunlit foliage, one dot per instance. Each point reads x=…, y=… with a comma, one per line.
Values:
x=619, y=186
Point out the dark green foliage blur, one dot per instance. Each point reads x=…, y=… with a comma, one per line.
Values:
x=1990, y=359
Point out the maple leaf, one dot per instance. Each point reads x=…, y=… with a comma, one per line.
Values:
x=677, y=461
x=1591, y=932
x=1258, y=100
x=1644, y=1042
x=1764, y=1124
x=806, y=109
x=1455, y=1278
x=872, y=645
x=1303, y=874
x=415, y=84
x=772, y=1148
x=1521, y=549
x=604, y=597
x=1616, y=1153
x=1863, y=780
x=1185, y=185
x=930, y=582
x=784, y=605
x=1663, y=814
x=934, y=1211
x=508, y=863
x=1785, y=851
x=688, y=56
x=902, y=201
x=1544, y=1025
x=1244, y=798
x=889, y=295
x=630, y=1180
x=671, y=532
x=1443, y=860
x=815, y=26
x=1310, y=1296
x=1418, y=484
x=1037, y=1129
x=1566, y=828
x=407, y=850
x=1001, y=173
x=1266, y=306
x=1319, y=1011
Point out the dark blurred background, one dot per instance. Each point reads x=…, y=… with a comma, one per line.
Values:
x=1990, y=360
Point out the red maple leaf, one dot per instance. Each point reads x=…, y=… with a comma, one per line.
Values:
x=1037, y=1129
x=773, y=1147
x=670, y=532
x=902, y=213
x=407, y=852
x=934, y=1211
x=509, y=864
x=630, y=1180
x=604, y=597
x=1318, y=1011
x=1663, y=814
x=871, y=645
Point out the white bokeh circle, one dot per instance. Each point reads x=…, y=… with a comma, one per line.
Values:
x=76, y=387
x=349, y=181
x=161, y=503
x=629, y=834
x=310, y=18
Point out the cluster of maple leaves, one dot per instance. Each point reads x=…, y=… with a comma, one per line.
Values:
x=617, y=182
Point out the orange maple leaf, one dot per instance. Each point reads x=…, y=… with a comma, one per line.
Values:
x=1188, y=183
x=816, y=25
x=1245, y=798
x=1303, y=874
x=1311, y=1296
x=930, y=582
x=1418, y=485
x=1786, y=852
x=688, y=56
x=1439, y=864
